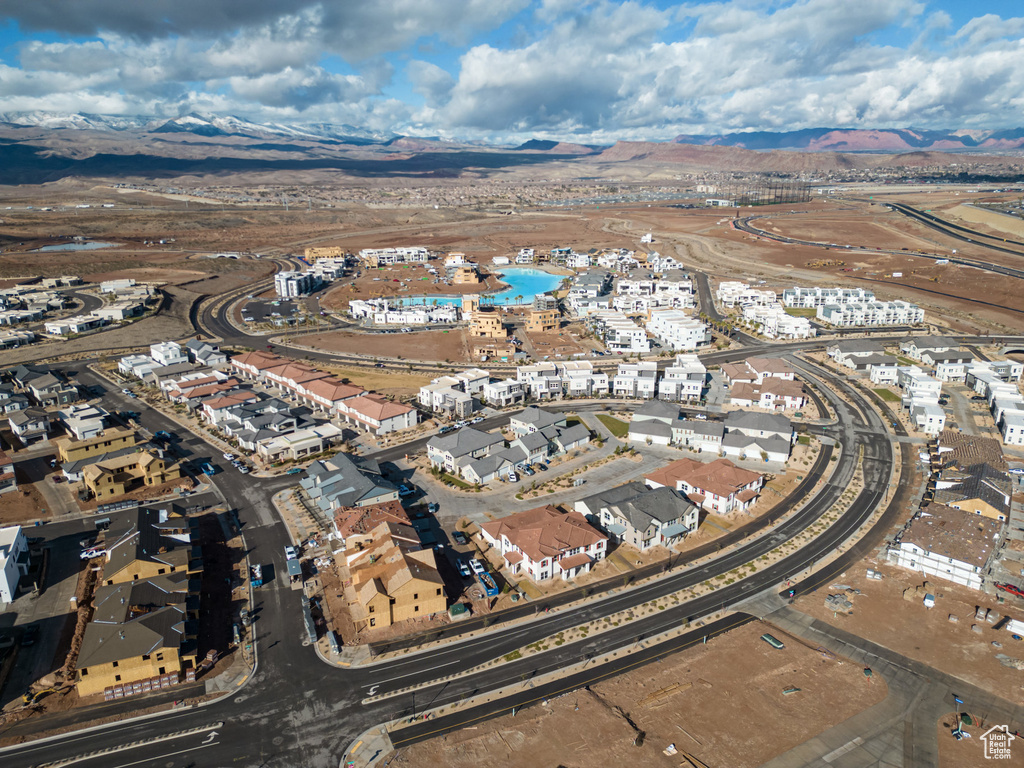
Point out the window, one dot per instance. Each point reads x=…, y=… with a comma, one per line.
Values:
x=145, y=657
x=372, y=609
x=439, y=590
x=416, y=596
x=115, y=664
x=373, y=622
x=163, y=670
x=416, y=609
x=84, y=672
x=117, y=678
x=160, y=657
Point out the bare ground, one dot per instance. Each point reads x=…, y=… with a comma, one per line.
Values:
x=722, y=703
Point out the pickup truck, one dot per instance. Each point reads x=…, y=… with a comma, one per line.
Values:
x=208, y=469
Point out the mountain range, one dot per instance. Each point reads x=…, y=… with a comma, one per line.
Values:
x=40, y=147
x=865, y=140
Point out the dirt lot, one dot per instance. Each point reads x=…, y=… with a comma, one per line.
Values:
x=423, y=345
x=706, y=239
x=881, y=615
x=22, y=505
x=704, y=700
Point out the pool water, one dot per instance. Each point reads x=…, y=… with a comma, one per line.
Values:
x=523, y=281
x=91, y=245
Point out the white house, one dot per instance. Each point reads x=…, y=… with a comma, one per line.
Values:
x=637, y=379
x=677, y=330
x=949, y=544
x=168, y=353
x=544, y=543
x=684, y=379
x=13, y=561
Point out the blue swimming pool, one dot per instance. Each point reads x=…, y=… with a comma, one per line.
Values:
x=522, y=281
x=90, y=245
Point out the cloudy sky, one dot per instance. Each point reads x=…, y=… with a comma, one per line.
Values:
x=504, y=69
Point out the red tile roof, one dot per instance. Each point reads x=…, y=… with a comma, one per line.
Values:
x=720, y=477
x=545, y=532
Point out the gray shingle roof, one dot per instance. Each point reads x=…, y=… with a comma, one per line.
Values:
x=464, y=441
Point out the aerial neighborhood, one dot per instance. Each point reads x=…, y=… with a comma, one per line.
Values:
x=622, y=424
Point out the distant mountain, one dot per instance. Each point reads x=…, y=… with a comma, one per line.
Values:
x=864, y=140
x=196, y=124
x=556, y=147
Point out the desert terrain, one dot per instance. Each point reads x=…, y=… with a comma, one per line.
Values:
x=722, y=702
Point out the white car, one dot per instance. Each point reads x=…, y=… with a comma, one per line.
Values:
x=477, y=567
x=229, y=457
x=513, y=477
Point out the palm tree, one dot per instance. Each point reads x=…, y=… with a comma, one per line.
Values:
x=519, y=299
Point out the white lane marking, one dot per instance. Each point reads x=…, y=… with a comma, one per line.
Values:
x=211, y=737
x=421, y=671
x=372, y=690
x=152, y=760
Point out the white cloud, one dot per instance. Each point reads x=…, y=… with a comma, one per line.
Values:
x=592, y=71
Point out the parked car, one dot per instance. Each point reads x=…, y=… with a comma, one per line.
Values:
x=378, y=365
x=162, y=435
x=463, y=569
x=541, y=467
x=460, y=537
x=229, y=457
x=529, y=471
x=405, y=490
x=291, y=553
x=208, y=469
x=513, y=477
x=294, y=471
x=476, y=419
x=432, y=507
x=243, y=469
x=477, y=567
x=90, y=552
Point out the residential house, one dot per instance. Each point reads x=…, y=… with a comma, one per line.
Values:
x=500, y=394
x=8, y=481
x=354, y=525
x=641, y=517
x=637, y=379
x=772, y=394
x=83, y=421
x=915, y=347
x=446, y=451
x=142, y=637
x=677, y=330
x=684, y=380
x=205, y=353
x=945, y=543
x=168, y=353
x=394, y=578
x=978, y=489
x=30, y=425
x=719, y=486
x=858, y=354
x=116, y=476
x=344, y=481
x=13, y=561
x=377, y=414
x=543, y=543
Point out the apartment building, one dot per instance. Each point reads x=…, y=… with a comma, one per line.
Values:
x=382, y=257
x=637, y=379
x=618, y=332
x=733, y=293
x=684, y=379
x=948, y=544
x=812, y=298
x=542, y=321
x=677, y=330
x=870, y=313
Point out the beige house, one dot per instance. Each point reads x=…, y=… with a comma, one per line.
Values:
x=119, y=475
x=542, y=321
x=394, y=578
